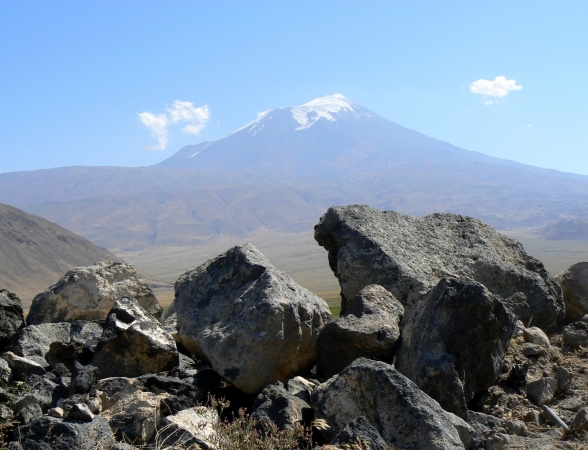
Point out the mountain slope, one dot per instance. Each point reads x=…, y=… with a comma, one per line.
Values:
x=35, y=253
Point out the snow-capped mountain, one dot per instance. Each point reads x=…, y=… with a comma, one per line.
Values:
x=330, y=133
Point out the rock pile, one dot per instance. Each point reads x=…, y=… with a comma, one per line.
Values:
x=450, y=337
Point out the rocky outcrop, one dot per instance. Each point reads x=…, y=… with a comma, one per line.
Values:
x=133, y=343
x=252, y=322
x=574, y=284
x=401, y=413
x=369, y=328
x=34, y=342
x=408, y=255
x=454, y=342
x=11, y=316
x=88, y=293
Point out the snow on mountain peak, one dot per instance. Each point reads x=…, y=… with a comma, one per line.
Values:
x=309, y=113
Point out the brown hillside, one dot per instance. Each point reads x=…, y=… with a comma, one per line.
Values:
x=35, y=253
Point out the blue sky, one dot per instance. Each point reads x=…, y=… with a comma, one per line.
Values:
x=74, y=76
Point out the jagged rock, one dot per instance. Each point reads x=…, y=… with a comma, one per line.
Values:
x=34, y=342
x=5, y=372
x=11, y=316
x=536, y=336
x=133, y=343
x=82, y=378
x=56, y=412
x=301, y=388
x=136, y=417
x=29, y=413
x=276, y=404
x=68, y=353
x=402, y=414
x=360, y=433
x=22, y=368
x=45, y=393
x=92, y=400
x=564, y=377
x=541, y=391
x=88, y=293
x=369, y=328
x=52, y=433
x=182, y=394
x=408, y=255
x=576, y=334
x=190, y=427
x=252, y=322
x=133, y=412
x=80, y=411
x=574, y=284
x=454, y=342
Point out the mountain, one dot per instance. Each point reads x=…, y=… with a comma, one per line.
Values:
x=281, y=171
x=35, y=253
x=327, y=135
x=566, y=230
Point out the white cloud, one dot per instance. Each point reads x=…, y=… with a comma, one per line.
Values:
x=187, y=112
x=499, y=87
x=158, y=127
x=180, y=111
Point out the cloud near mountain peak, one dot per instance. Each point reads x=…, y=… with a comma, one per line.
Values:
x=194, y=117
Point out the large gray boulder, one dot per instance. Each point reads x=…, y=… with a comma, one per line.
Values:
x=134, y=343
x=34, y=342
x=454, y=342
x=369, y=328
x=401, y=413
x=408, y=255
x=88, y=293
x=574, y=284
x=252, y=322
x=11, y=316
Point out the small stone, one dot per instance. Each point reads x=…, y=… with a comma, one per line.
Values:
x=576, y=334
x=56, y=412
x=532, y=416
x=536, y=335
x=529, y=349
x=581, y=420
x=79, y=411
x=497, y=441
x=517, y=427
x=541, y=391
x=519, y=328
x=564, y=377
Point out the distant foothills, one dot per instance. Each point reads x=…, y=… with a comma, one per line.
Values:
x=284, y=169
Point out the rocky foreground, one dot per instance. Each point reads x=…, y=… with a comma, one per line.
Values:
x=450, y=337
